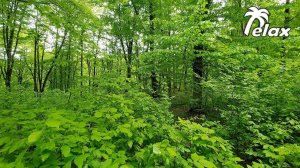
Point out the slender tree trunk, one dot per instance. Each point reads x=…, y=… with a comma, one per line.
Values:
x=35, y=81
x=241, y=24
x=10, y=33
x=286, y=25
x=169, y=83
x=20, y=71
x=89, y=66
x=154, y=81
x=138, y=75
x=185, y=68
x=287, y=16
x=69, y=66
x=198, y=70
x=81, y=59
x=129, y=58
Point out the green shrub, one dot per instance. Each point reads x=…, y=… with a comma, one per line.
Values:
x=107, y=130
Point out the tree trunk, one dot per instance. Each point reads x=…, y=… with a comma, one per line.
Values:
x=10, y=38
x=198, y=69
x=129, y=58
x=286, y=25
x=81, y=58
x=154, y=81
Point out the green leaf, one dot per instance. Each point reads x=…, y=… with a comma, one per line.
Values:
x=126, y=131
x=4, y=140
x=96, y=136
x=49, y=145
x=156, y=149
x=45, y=156
x=17, y=146
x=34, y=137
x=200, y=161
x=65, y=151
x=68, y=164
x=130, y=143
x=113, y=110
x=164, y=143
x=172, y=151
x=98, y=114
x=53, y=123
x=207, y=164
x=79, y=161
x=107, y=163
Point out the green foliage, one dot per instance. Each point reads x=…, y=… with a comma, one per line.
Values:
x=93, y=65
x=108, y=130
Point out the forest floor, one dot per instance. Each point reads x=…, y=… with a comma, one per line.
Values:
x=182, y=112
x=185, y=112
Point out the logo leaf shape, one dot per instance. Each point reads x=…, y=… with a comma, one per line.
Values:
x=262, y=15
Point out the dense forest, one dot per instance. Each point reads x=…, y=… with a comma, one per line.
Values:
x=149, y=83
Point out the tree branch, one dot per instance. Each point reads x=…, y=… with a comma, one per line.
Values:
x=57, y=52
